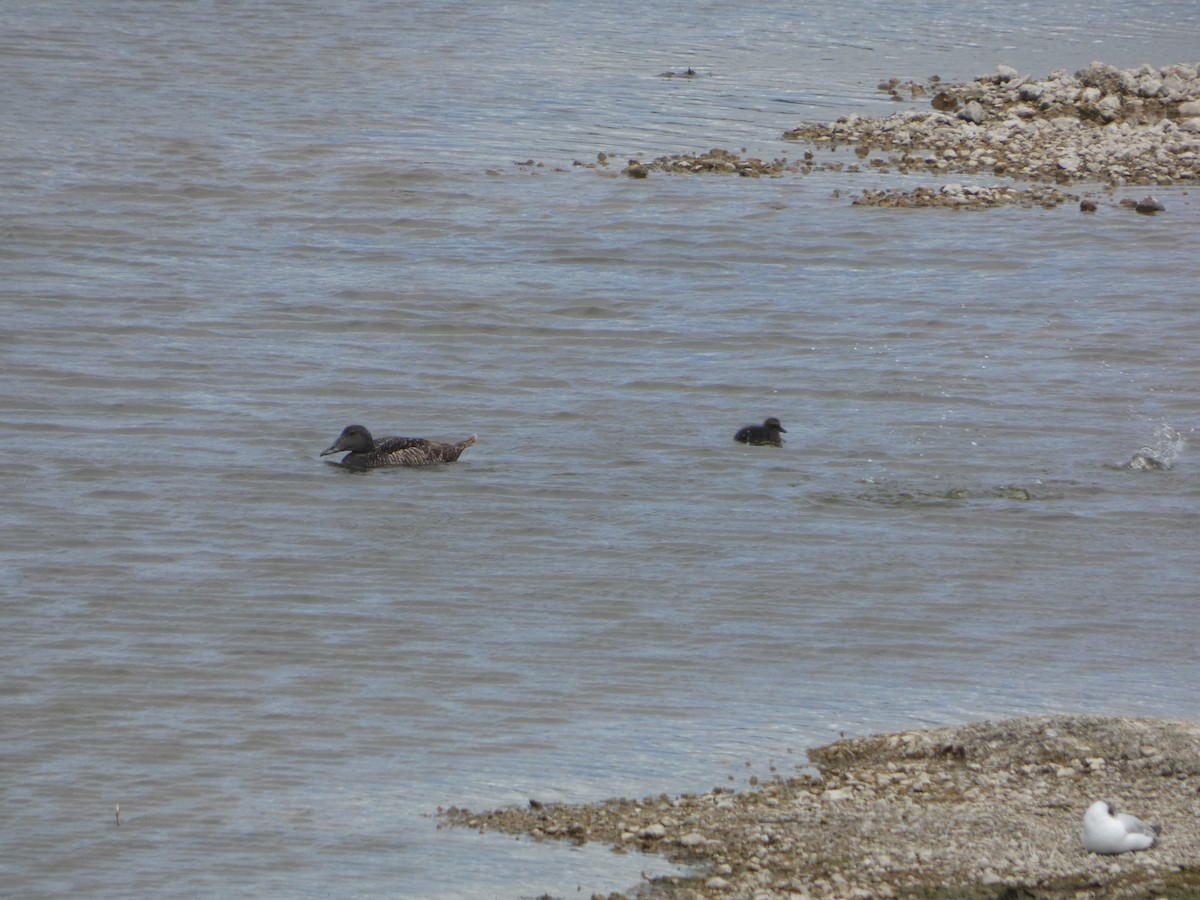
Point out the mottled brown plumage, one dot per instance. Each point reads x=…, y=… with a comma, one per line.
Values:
x=367, y=453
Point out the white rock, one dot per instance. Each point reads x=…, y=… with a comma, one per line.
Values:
x=1149, y=86
x=1173, y=88
x=972, y=112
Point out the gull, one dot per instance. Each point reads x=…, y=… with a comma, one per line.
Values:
x=1107, y=831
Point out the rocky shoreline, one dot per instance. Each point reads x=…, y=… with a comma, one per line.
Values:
x=1100, y=125
x=1138, y=126
x=985, y=810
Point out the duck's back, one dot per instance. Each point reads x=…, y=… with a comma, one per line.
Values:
x=405, y=451
x=758, y=435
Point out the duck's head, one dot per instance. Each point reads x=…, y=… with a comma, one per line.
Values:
x=354, y=438
x=773, y=424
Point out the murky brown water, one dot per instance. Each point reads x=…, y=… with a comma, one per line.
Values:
x=230, y=232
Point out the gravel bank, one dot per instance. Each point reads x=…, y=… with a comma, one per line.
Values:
x=1102, y=124
x=986, y=810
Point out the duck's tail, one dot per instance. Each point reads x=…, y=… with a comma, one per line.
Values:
x=462, y=445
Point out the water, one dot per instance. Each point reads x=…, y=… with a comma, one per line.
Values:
x=231, y=231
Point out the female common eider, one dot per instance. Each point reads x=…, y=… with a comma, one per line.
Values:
x=764, y=435
x=368, y=453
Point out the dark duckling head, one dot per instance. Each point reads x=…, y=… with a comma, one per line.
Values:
x=764, y=435
x=354, y=438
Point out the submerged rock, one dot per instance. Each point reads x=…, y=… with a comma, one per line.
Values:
x=957, y=196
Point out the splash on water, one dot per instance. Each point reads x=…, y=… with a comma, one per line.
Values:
x=1167, y=446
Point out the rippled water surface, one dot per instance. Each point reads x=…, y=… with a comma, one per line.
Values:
x=229, y=231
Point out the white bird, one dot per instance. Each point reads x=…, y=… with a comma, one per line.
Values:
x=1107, y=831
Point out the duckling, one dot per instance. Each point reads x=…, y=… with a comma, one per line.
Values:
x=766, y=434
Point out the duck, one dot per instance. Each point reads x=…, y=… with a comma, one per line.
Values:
x=367, y=453
x=764, y=435
x=1107, y=831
